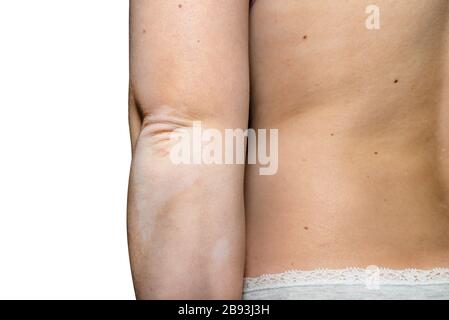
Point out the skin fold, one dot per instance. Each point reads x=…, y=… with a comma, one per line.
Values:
x=363, y=120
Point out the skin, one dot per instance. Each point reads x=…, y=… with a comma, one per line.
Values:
x=363, y=119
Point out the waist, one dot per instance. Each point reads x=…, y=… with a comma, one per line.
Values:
x=335, y=206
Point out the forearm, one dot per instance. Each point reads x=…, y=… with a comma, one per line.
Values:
x=185, y=222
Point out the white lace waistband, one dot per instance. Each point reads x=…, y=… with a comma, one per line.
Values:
x=371, y=276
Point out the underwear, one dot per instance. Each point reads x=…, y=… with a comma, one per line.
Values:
x=350, y=284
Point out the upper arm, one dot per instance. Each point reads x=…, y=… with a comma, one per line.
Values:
x=190, y=57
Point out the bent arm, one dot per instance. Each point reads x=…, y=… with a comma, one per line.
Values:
x=189, y=62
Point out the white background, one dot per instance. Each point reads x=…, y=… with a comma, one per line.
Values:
x=64, y=149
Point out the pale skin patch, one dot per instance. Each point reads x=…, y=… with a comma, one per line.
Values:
x=221, y=252
x=149, y=197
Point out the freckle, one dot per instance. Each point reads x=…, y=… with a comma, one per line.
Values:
x=376, y=153
x=332, y=134
x=179, y=6
x=306, y=228
x=144, y=31
x=198, y=41
x=305, y=37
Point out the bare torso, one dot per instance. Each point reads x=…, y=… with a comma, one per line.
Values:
x=363, y=119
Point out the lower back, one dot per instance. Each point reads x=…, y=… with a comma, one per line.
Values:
x=363, y=119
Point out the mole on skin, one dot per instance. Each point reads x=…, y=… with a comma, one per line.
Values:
x=179, y=6
x=396, y=81
x=306, y=228
x=305, y=37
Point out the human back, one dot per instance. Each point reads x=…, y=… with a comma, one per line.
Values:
x=363, y=119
